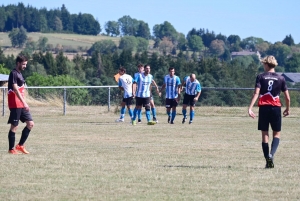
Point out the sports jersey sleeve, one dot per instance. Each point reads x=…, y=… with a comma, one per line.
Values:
x=283, y=86
x=120, y=83
x=136, y=78
x=198, y=88
x=178, y=81
x=257, y=82
x=185, y=78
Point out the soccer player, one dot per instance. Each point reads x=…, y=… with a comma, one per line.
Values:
x=191, y=96
x=125, y=84
x=142, y=90
x=140, y=70
x=173, y=85
x=267, y=88
x=19, y=109
x=152, y=105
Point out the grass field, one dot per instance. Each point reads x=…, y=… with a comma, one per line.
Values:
x=85, y=155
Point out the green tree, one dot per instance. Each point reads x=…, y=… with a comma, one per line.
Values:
x=293, y=63
x=142, y=44
x=280, y=51
x=250, y=43
x=3, y=19
x=143, y=30
x=217, y=47
x=61, y=62
x=4, y=70
x=103, y=46
x=165, y=30
x=42, y=43
x=128, y=43
x=58, y=24
x=181, y=42
x=18, y=37
x=112, y=28
x=128, y=25
x=195, y=43
x=288, y=40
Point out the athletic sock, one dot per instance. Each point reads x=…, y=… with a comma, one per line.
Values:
x=153, y=110
x=184, y=113
x=139, y=111
x=140, y=115
x=169, y=113
x=192, y=114
x=134, y=114
x=173, y=115
x=130, y=113
x=24, y=136
x=148, y=115
x=123, y=110
x=265, y=148
x=11, y=140
x=274, y=145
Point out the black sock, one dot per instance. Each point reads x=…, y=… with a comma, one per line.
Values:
x=265, y=148
x=11, y=140
x=24, y=136
x=274, y=145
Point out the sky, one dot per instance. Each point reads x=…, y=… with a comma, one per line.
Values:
x=270, y=20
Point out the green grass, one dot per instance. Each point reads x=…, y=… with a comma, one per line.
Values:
x=86, y=156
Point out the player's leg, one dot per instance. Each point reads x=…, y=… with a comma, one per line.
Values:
x=147, y=108
x=137, y=110
x=174, y=105
x=13, y=120
x=276, y=127
x=168, y=108
x=123, y=111
x=184, y=105
x=128, y=104
x=263, y=125
x=153, y=109
x=25, y=117
x=192, y=108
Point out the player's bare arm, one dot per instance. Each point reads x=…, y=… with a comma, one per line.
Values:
x=133, y=89
x=253, y=100
x=287, y=103
x=157, y=89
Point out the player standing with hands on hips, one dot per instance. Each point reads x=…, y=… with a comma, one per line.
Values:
x=19, y=110
x=267, y=88
x=191, y=96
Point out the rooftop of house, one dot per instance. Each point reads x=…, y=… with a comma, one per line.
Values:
x=3, y=77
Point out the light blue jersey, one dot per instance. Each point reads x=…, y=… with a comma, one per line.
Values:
x=143, y=85
x=192, y=88
x=126, y=81
x=172, y=84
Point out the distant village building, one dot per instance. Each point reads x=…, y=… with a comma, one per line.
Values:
x=3, y=79
x=292, y=77
x=244, y=53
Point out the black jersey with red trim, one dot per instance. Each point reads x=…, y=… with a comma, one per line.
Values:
x=15, y=77
x=270, y=84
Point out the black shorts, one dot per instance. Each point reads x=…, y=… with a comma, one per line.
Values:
x=142, y=101
x=269, y=115
x=171, y=103
x=189, y=100
x=127, y=101
x=17, y=114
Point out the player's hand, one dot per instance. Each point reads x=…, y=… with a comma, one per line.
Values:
x=159, y=94
x=251, y=114
x=26, y=107
x=195, y=99
x=286, y=113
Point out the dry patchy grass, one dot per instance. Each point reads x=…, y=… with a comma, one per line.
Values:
x=86, y=156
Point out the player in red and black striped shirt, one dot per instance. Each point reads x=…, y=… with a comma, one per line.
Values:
x=19, y=110
x=267, y=88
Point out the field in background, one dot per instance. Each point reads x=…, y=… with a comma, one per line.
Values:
x=74, y=41
x=86, y=156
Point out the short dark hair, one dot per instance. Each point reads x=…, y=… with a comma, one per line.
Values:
x=171, y=68
x=122, y=69
x=146, y=65
x=20, y=59
x=140, y=65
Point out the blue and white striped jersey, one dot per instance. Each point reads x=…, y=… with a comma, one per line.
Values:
x=172, y=84
x=191, y=88
x=143, y=85
x=126, y=81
